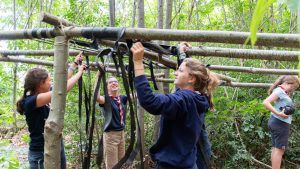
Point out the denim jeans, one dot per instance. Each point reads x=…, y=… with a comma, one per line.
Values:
x=201, y=164
x=36, y=158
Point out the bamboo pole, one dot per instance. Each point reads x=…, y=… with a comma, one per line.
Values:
x=229, y=37
x=40, y=52
x=245, y=53
x=255, y=70
x=211, y=67
x=54, y=20
x=55, y=121
x=113, y=70
x=30, y=34
x=26, y=60
x=231, y=84
x=201, y=51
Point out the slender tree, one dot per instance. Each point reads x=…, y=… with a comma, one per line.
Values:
x=112, y=13
x=55, y=122
x=140, y=110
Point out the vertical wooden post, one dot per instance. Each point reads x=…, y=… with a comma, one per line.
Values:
x=140, y=110
x=55, y=121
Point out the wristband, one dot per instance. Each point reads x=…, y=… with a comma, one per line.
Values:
x=182, y=56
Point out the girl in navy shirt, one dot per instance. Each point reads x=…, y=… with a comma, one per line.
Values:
x=182, y=112
x=34, y=104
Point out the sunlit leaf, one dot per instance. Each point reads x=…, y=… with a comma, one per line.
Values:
x=259, y=12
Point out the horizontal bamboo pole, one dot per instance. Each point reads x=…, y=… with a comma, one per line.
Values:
x=230, y=37
x=246, y=53
x=170, y=62
x=232, y=84
x=113, y=70
x=40, y=52
x=255, y=70
x=201, y=51
x=252, y=85
x=92, y=64
x=26, y=60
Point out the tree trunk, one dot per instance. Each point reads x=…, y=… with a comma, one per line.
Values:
x=141, y=14
x=160, y=85
x=169, y=7
x=133, y=13
x=160, y=16
x=191, y=12
x=54, y=123
x=224, y=12
x=112, y=13
x=140, y=110
x=15, y=75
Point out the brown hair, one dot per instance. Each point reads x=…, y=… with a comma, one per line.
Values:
x=33, y=79
x=206, y=82
x=290, y=79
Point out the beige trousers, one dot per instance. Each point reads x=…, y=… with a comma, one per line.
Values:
x=114, y=147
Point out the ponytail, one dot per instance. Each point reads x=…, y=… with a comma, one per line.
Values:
x=19, y=104
x=213, y=82
x=206, y=82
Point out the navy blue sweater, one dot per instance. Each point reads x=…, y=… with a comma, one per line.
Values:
x=182, y=116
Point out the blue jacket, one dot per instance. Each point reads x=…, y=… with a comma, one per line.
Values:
x=182, y=117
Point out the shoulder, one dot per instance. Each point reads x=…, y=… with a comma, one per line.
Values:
x=29, y=100
x=278, y=92
x=29, y=103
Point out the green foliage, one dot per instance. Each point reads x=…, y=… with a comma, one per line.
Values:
x=237, y=109
x=25, y=138
x=260, y=9
x=8, y=158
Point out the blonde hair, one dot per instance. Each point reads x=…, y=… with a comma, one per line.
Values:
x=290, y=79
x=206, y=81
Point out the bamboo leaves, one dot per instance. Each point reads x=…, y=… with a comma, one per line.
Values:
x=260, y=9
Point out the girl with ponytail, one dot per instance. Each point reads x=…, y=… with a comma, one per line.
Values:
x=182, y=112
x=34, y=104
x=279, y=122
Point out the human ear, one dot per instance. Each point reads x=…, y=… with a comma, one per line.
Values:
x=192, y=79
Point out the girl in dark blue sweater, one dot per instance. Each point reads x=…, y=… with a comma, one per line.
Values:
x=182, y=112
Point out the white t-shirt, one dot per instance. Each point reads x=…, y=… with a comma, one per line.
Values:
x=283, y=100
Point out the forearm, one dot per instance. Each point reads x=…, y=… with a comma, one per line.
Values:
x=72, y=81
x=271, y=108
x=71, y=70
x=145, y=95
x=139, y=68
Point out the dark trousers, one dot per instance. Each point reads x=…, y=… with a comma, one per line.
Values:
x=36, y=159
x=201, y=164
x=160, y=166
